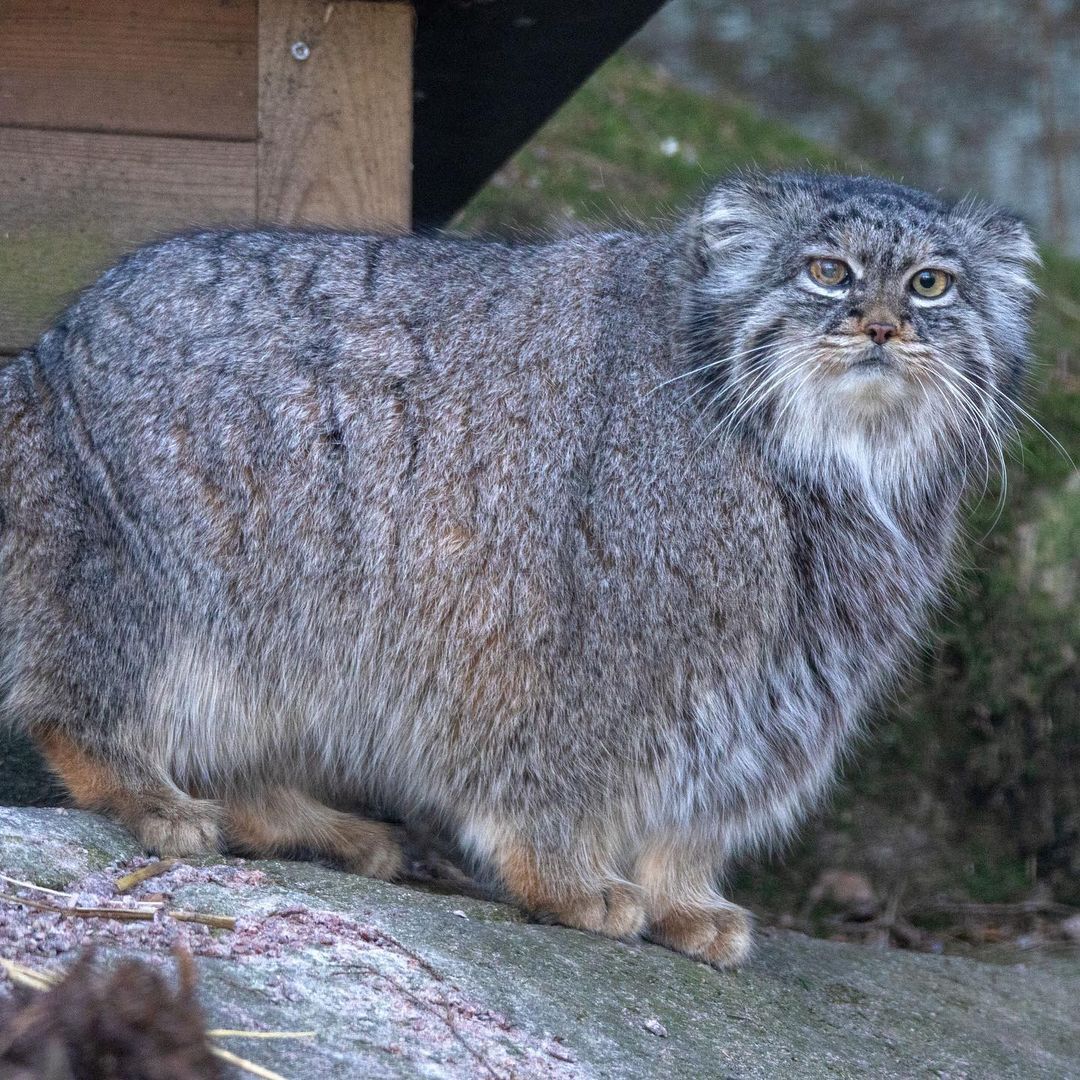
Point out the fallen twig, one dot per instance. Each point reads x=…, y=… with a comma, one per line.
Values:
x=121, y=914
x=137, y=877
x=219, y=922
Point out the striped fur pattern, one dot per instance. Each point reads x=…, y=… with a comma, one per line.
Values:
x=591, y=553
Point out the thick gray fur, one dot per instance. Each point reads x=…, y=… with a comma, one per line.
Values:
x=597, y=549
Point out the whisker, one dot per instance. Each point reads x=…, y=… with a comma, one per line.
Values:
x=729, y=388
x=794, y=394
x=961, y=405
x=705, y=367
x=992, y=436
x=752, y=401
x=1012, y=403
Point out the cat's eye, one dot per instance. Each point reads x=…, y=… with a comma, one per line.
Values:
x=931, y=283
x=832, y=273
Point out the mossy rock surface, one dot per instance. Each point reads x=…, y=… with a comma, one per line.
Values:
x=402, y=982
x=52, y=847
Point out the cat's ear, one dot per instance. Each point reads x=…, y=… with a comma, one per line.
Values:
x=1012, y=237
x=730, y=231
x=1006, y=249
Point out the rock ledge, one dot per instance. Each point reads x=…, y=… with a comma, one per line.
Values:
x=400, y=982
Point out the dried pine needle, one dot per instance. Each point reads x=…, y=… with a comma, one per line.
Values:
x=36, y=888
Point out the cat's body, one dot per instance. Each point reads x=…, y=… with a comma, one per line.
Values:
x=444, y=530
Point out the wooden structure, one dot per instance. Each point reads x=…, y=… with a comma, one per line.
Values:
x=121, y=120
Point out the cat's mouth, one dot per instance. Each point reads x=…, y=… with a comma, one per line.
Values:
x=873, y=357
x=861, y=358
x=875, y=360
x=870, y=377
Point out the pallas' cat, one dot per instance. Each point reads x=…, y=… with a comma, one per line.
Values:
x=591, y=554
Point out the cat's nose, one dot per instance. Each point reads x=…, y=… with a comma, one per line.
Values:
x=880, y=332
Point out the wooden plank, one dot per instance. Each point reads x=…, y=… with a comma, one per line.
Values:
x=335, y=126
x=71, y=202
x=170, y=67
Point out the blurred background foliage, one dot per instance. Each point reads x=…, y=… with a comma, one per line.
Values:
x=967, y=791
x=975, y=94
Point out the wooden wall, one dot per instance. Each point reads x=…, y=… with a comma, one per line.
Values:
x=123, y=120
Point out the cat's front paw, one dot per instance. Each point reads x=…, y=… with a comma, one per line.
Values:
x=721, y=936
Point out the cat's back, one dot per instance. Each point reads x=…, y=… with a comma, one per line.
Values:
x=202, y=319
x=289, y=294
x=235, y=389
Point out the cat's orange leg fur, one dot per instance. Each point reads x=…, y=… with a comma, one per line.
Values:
x=719, y=935
x=167, y=821
x=286, y=821
x=552, y=892
x=164, y=819
x=686, y=912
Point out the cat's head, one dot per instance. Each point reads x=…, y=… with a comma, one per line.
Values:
x=851, y=318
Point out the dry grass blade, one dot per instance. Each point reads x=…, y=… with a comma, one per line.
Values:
x=121, y=914
x=36, y=888
x=137, y=877
x=229, y=1033
x=219, y=922
x=244, y=1064
x=28, y=977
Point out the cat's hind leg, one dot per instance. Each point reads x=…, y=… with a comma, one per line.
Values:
x=168, y=821
x=164, y=819
x=283, y=822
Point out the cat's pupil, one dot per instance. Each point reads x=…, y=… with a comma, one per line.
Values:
x=928, y=279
